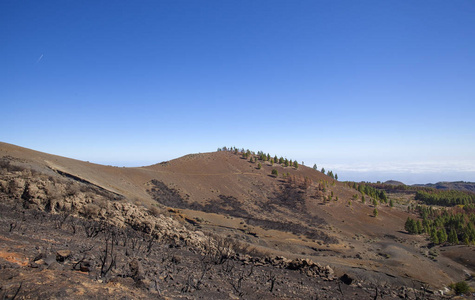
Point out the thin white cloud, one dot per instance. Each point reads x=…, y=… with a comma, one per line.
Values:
x=41, y=56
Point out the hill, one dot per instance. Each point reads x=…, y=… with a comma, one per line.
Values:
x=454, y=185
x=213, y=222
x=393, y=182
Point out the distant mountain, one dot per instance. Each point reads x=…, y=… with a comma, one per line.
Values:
x=393, y=182
x=456, y=185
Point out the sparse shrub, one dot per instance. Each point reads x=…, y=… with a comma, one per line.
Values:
x=460, y=287
x=91, y=210
x=154, y=211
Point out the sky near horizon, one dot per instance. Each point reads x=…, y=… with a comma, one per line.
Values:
x=374, y=90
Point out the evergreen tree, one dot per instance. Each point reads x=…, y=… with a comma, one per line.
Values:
x=442, y=235
x=411, y=226
x=433, y=236
x=453, y=238
x=419, y=227
x=466, y=239
x=276, y=159
x=315, y=167
x=391, y=203
x=296, y=164
x=323, y=170
x=286, y=162
x=274, y=172
x=375, y=202
x=336, y=176
x=375, y=213
x=259, y=166
x=470, y=231
x=383, y=196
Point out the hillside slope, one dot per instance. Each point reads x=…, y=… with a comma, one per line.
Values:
x=301, y=213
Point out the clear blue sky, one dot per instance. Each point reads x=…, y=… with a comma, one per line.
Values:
x=374, y=90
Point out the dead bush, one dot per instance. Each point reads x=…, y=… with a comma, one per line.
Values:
x=91, y=210
x=154, y=211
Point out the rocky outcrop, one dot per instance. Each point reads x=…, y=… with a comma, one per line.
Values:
x=68, y=197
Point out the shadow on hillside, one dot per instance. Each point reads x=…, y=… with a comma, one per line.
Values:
x=289, y=198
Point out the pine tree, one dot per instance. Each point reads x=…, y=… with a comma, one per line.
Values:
x=274, y=172
x=336, y=176
x=296, y=164
x=433, y=236
x=466, y=239
x=411, y=226
x=419, y=228
x=383, y=196
x=315, y=167
x=442, y=235
x=391, y=203
x=453, y=238
x=259, y=166
x=375, y=213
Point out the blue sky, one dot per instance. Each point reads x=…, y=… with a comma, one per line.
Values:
x=374, y=90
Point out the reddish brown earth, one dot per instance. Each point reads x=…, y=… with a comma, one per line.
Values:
x=225, y=195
